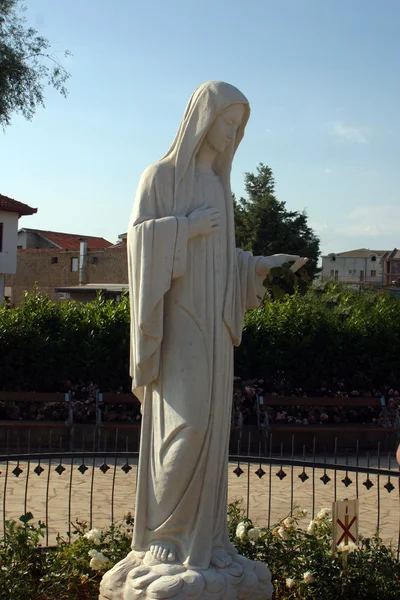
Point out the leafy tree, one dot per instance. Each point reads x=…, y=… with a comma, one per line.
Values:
x=265, y=226
x=26, y=65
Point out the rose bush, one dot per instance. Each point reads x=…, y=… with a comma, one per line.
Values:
x=303, y=566
x=245, y=402
x=300, y=558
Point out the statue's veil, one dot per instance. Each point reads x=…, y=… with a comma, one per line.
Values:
x=207, y=103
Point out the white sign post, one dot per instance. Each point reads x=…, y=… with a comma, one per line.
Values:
x=344, y=523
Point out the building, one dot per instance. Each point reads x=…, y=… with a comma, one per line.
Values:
x=68, y=266
x=88, y=292
x=391, y=267
x=362, y=266
x=10, y=211
x=39, y=238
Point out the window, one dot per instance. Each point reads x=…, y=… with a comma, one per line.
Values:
x=373, y=258
x=332, y=272
x=373, y=273
x=1, y=237
x=95, y=260
x=54, y=260
x=352, y=272
x=74, y=264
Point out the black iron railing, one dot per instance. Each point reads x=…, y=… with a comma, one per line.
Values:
x=99, y=485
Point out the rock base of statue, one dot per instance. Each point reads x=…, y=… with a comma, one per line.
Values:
x=140, y=577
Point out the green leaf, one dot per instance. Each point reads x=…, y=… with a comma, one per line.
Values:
x=26, y=518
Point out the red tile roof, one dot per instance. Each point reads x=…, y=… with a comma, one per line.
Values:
x=360, y=253
x=10, y=205
x=71, y=241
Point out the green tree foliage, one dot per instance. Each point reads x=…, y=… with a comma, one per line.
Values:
x=26, y=65
x=265, y=226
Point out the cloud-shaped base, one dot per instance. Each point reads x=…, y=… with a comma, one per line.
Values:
x=140, y=577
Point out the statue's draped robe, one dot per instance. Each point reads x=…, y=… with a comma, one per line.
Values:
x=188, y=299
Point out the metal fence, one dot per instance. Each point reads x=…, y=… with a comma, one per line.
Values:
x=98, y=486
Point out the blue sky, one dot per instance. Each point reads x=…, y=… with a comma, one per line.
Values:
x=321, y=77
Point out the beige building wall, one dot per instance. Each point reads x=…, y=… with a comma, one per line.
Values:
x=49, y=268
x=8, y=251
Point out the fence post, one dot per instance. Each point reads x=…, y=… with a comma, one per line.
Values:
x=70, y=421
x=397, y=425
x=99, y=400
x=384, y=407
x=262, y=419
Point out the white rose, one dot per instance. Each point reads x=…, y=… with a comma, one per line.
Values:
x=98, y=560
x=350, y=547
x=254, y=534
x=301, y=512
x=312, y=527
x=288, y=522
x=241, y=531
x=96, y=565
x=284, y=533
x=308, y=577
x=323, y=513
x=290, y=583
x=94, y=536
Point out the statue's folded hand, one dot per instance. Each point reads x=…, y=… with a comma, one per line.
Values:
x=203, y=221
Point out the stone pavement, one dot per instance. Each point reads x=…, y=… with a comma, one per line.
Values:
x=29, y=492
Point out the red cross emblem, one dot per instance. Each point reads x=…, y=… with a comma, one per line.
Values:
x=346, y=528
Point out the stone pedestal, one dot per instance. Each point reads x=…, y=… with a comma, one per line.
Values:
x=140, y=577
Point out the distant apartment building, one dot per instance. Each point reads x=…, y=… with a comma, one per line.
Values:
x=362, y=266
x=67, y=265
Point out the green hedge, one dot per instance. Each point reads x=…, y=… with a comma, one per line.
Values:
x=47, y=346
x=329, y=338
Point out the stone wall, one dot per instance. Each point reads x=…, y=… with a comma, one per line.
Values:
x=49, y=268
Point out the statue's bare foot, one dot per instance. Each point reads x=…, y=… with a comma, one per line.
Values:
x=163, y=552
x=220, y=558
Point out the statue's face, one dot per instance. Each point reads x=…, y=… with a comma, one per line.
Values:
x=223, y=130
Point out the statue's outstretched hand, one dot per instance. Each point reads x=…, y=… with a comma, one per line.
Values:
x=203, y=221
x=266, y=263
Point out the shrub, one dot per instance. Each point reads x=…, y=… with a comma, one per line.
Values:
x=330, y=339
x=48, y=346
x=71, y=570
x=303, y=565
x=301, y=561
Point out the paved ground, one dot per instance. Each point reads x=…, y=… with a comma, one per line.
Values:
x=268, y=502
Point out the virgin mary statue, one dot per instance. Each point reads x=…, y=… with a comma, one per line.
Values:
x=189, y=289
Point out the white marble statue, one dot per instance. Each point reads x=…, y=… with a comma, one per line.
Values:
x=189, y=290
